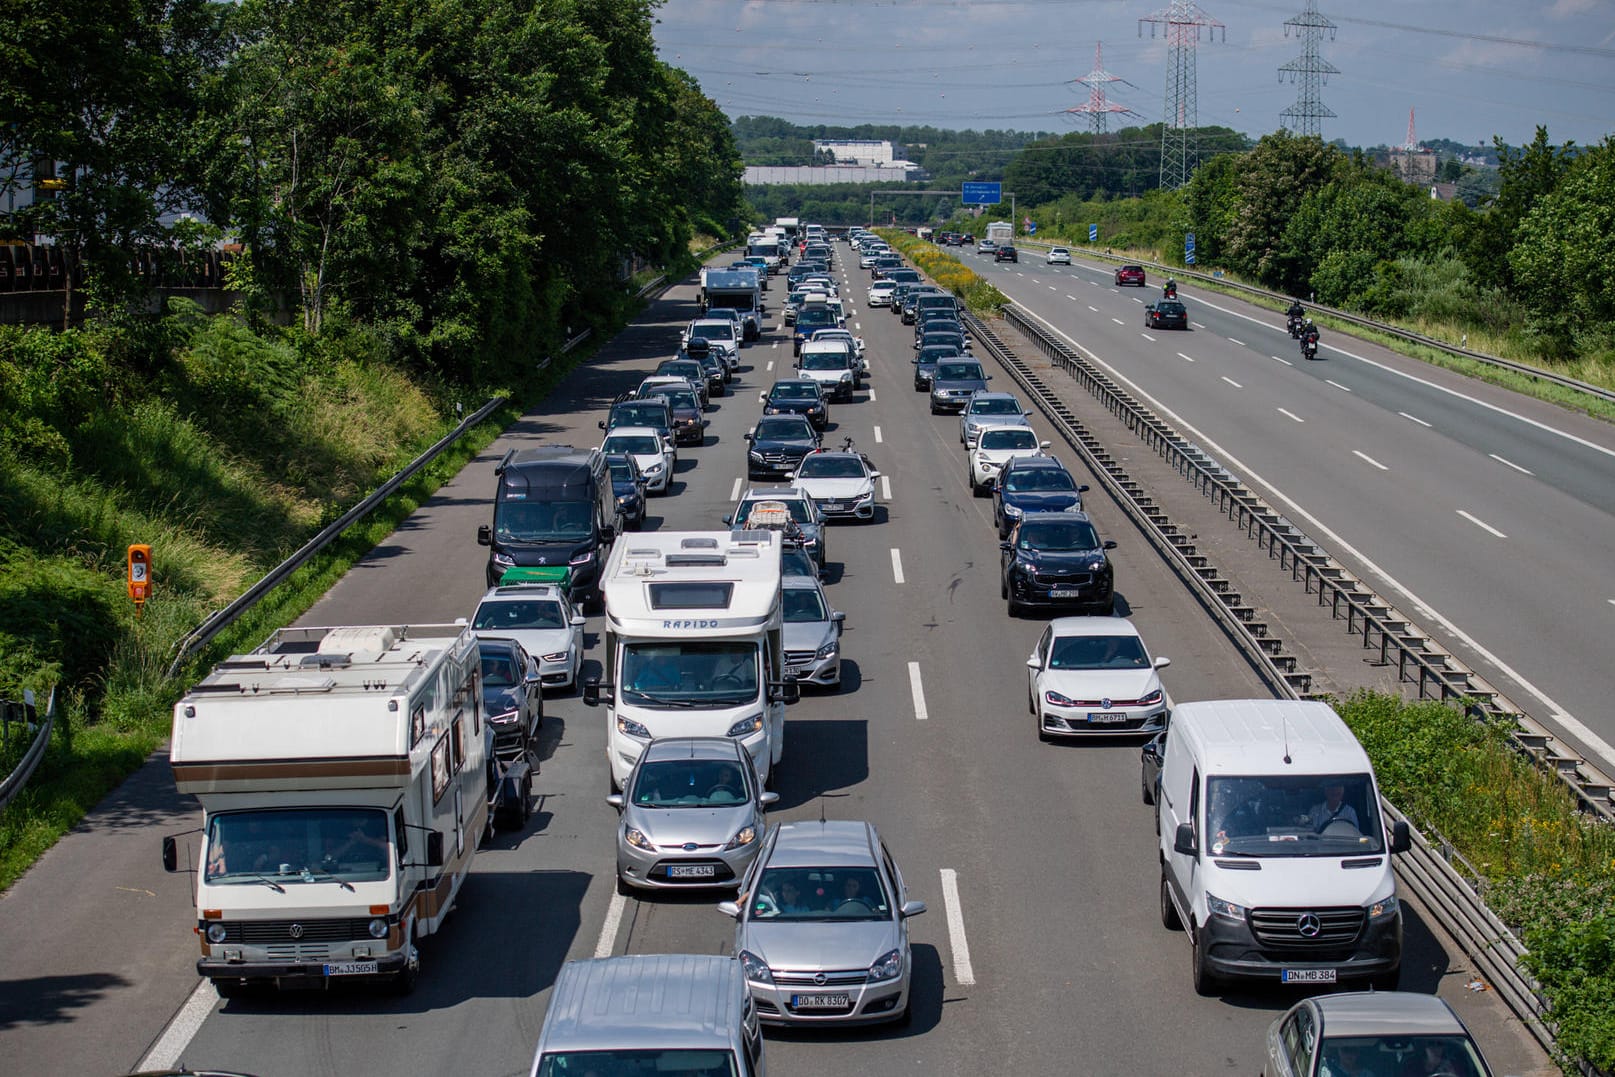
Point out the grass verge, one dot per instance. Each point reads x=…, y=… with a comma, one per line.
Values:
x=947, y=271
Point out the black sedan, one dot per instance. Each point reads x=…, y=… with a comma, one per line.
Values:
x=797, y=396
x=1167, y=314
x=689, y=426
x=776, y=445
x=1006, y=254
x=511, y=696
x=925, y=364
x=629, y=487
x=1056, y=559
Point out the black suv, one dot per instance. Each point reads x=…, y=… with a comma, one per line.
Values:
x=1006, y=253
x=1055, y=559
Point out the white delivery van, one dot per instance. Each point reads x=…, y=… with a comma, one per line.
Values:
x=1275, y=856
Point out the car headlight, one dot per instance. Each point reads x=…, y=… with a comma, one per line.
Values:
x=654, y=469
x=753, y=454
x=581, y=558
x=637, y=839
x=889, y=966
x=756, y=968
x=500, y=557
x=746, y=726
x=1152, y=699
x=1218, y=907
x=378, y=928
x=828, y=650
x=217, y=933
x=743, y=837
x=630, y=728
x=1384, y=908
x=1057, y=700
x=502, y=719
x=988, y=465
x=558, y=656
x=1012, y=510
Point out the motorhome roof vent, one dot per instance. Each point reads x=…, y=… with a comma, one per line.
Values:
x=298, y=684
x=326, y=661
x=715, y=560
x=377, y=639
x=698, y=542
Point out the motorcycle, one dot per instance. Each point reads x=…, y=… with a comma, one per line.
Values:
x=1309, y=346
x=1169, y=290
x=1294, y=325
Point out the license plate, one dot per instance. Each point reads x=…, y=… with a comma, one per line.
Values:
x=831, y=506
x=796, y=671
x=1106, y=717
x=692, y=871
x=1307, y=976
x=353, y=968
x=820, y=1002
x=1065, y=593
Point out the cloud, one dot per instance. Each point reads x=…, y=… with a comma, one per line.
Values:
x=1564, y=9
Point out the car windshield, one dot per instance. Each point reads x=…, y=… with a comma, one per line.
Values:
x=1293, y=815
x=639, y=415
x=1057, y=535
x=804, y=605
x=795, y=391
x=1169, y=307
x=780, y=429
x=827, y=466
x=836, y=360
x=815, y=316
x=999, y=406
x=499, y=669
x=1098, y=652
x=634, y=444
x=689, y=673
x=1038, y=480
x=689, y=783
x=679, y=1062
x=796, y=506
x=543, y=521
x=1443, y=1056
x=714, y=331
x=1019, y=438
x=298, y=845
x=937, y=352
x=959, y=372
x=683, y=368
x=833, y=894
x=510, y=614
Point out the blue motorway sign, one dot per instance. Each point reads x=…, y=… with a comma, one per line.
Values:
x=1031, y=228
x=1093, y=233
x=982, y=194
x=1188, y=248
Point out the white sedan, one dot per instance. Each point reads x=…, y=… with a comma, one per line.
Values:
x=651, y=453
x=1058, y=256
x=1094, y=675
x=995, y=447
x=540, y=618
x=841, y=484
x=880, y=293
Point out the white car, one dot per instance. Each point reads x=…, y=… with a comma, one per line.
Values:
x=1094, y=675
x=867, y=259
x=541, y=618
x=841, y=484
x=997, y=446
x=1058, y=256
x=720, y=333
x=880, y=293
x=831, y=363
x=857, y=343
x=652, y=455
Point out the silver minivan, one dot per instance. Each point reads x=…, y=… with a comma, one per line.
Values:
x=683, y=1015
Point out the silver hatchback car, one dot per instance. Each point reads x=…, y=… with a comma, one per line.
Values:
x=692, y=815
x=823, y=927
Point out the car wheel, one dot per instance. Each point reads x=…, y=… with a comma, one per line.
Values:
x=404, y=982
x=906, y=1017
x=1003, y=587
x=623, y=888
x=230, y=990
x=1015, y=608
x=1145, y=793
x=1042, y=734
x=1169, y=911
x=1205, y=981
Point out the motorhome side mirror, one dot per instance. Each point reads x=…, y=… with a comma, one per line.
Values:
x=730, y=909
x=170, y=854
x=1152, y=749
x=615, y=800
x=434, y=849
x=607, y=532
x=768, y=800
x=1401, y=837
x=592, y=692
x=1183, y=840
x=484, y=535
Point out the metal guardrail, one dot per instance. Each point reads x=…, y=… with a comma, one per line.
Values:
x=1427, y=868
x=1408, y=335
x=30, y=761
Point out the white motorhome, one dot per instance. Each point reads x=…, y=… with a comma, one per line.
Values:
x=1001, y=233
x=344, y=786
x=1275, y=856
x=694, y=644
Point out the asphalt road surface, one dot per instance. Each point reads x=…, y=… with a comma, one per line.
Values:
x=1052, y=960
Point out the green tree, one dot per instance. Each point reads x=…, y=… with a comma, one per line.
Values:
x=1273, y=180
x=1524, y=176
x=1560, y=257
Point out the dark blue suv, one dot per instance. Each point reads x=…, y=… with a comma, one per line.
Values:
x=1030, y=484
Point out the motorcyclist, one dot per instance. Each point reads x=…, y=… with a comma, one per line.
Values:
x=1169, y=290
x=1294, y=317
x=1309, y=339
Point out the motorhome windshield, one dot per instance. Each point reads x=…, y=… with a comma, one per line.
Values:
x=1293, y=815
x=674, y=1063
x=690, y=673
x=721, y=300
x=543, y=521
x=297, y=845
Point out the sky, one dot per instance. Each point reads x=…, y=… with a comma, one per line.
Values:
x=1471, y=70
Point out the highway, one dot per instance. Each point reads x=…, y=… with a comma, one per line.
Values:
x=1051, y=961
x=1487, y=516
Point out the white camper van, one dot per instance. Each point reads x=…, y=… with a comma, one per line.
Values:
x=344, y=787
x=1275, y=856
x=694, y=630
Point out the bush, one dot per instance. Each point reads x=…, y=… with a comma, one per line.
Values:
x=948, y=272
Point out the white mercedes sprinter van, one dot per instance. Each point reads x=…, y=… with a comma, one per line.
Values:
x=1274, y=853
x=684, y=1015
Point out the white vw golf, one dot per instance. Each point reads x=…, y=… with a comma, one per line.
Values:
x=1094, y=675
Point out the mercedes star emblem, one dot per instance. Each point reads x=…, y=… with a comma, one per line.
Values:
x=1308, y=925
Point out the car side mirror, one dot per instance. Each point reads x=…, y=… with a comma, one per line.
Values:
x=1082, y=489
x=577, y=620
x=601, y=424
x=989, y=377
x=911, y=908
x=762, y=398
x=484, y=535
x=730, y=909
x=170, y=854
x=768, y=800
x=1401, y=836
x=1004, y=546
x=838, y=617
x=1042, y=444
x=434, y=849
x=607, y=532
x=729, y=521
x=615, y=800
x=748, y=436
x=1033, y=662
x=1162, y=662
x=1183, y=840
x=1110, y=544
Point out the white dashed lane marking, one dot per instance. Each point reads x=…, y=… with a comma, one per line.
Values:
x=1369, y=459
x=1482, y=524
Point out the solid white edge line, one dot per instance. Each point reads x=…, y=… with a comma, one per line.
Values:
x=918, y=690
x=1596, y=745
x=1416, y=419
x=734, y=492
x=877, y=435
x=885, y=488
x=1337, y=385
x=897, y=565
x=1291, y=414
x=1364, y=456
x=608, y=930
x=182, y=1028
x=963, y=973
x=1232, y=382
x=1482, y=524
x=1276, y=359
x=1510, y=463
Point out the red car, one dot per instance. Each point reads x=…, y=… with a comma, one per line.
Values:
x=1129, y=275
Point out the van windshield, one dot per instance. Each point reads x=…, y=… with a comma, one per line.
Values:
x=684, y=1063
x=543, y=521
x=298, y=845
x=1293, y=815
x=690, y=673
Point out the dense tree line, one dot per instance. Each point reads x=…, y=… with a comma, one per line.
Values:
x=1123, y=163
x=949, y=156
x=457, y=178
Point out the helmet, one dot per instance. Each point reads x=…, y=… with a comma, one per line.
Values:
x=1309, y=321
